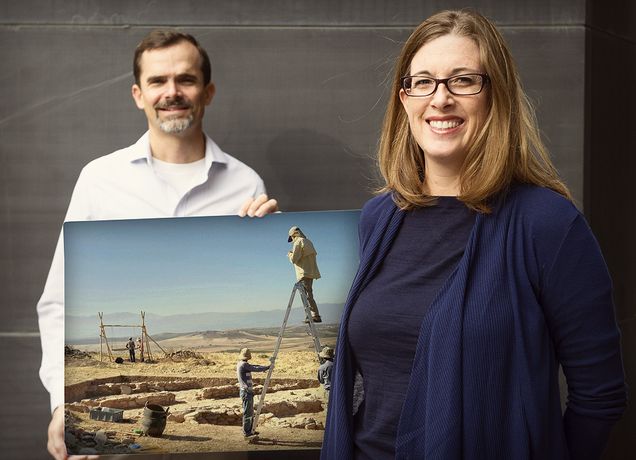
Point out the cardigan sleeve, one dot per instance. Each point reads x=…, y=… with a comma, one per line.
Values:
x=577, y=299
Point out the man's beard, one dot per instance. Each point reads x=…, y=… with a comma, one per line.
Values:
x=174, y=124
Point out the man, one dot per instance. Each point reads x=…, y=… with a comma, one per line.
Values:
x=303, y=256
x=174, y=170
x=244, y=373
x=324, y=371
x=131, y=349
x=140, y=347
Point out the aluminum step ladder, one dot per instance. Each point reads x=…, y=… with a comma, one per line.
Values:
x=312, y=331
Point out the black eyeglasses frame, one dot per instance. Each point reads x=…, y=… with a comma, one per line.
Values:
x=484, y=80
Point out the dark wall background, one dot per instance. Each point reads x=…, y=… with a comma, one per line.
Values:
x=301, y=90
x=610, y=165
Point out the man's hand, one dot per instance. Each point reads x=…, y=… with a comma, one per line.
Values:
x=56, y=446
x=258, y=207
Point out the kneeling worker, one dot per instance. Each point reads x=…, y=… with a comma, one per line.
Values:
x=324, y=371
x=244, y=372
x=303, y=256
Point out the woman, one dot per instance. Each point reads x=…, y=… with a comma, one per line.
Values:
x=477, y=277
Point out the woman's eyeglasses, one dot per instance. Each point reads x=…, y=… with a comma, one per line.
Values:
x=459, y=85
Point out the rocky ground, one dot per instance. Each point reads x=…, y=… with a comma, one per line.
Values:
x=204, y=410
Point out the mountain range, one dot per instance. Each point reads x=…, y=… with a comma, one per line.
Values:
x=85, y=328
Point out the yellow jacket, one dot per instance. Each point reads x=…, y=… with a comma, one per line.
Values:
x=303, y=256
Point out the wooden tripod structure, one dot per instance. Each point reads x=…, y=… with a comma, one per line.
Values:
x=145, y=339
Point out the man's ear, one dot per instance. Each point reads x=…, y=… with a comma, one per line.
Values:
x=210, y=91
x=136, y=94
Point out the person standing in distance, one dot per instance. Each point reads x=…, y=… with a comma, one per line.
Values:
x=140, y=346
x=173, y=170
x=131, y=349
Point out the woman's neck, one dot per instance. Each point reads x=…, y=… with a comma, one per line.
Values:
x=442, y=183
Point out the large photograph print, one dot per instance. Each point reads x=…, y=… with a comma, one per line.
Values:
x=203, y=334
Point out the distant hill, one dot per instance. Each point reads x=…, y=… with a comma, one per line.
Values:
x=85, y=329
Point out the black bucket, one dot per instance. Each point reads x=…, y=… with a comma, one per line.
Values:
x=154, y=420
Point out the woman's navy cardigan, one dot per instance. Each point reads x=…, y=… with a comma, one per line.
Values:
x=531, y=291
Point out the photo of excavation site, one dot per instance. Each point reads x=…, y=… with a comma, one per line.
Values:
x=164, y=317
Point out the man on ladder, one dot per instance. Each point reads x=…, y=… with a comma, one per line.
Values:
x=303, y=256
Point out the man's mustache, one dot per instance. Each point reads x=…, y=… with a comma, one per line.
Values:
x=169, y=103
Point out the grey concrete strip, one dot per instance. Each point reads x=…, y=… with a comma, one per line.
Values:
x=19, y=334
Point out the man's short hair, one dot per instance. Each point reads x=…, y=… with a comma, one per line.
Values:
x=163, y=38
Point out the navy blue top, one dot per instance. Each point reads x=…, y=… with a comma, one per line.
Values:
x=530, y=292
x=385, y=321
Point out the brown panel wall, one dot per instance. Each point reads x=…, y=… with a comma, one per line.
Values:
x=317, y=101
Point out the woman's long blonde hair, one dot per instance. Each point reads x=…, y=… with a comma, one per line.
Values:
x=507, y=148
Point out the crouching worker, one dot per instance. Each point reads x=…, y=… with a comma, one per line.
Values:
x=244, y=372
x=324, y=371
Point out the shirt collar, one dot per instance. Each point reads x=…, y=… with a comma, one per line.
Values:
x=141, y=151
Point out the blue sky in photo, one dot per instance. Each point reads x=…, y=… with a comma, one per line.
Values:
x=202, y=264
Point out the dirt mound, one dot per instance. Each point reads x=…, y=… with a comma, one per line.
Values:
x=71, y=352
x=186, y=354
x=292, y=407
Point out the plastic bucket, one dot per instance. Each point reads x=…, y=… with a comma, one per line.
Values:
x=154, y=420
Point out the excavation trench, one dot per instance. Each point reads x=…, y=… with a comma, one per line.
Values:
x=212, y=387
x=290, y=402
